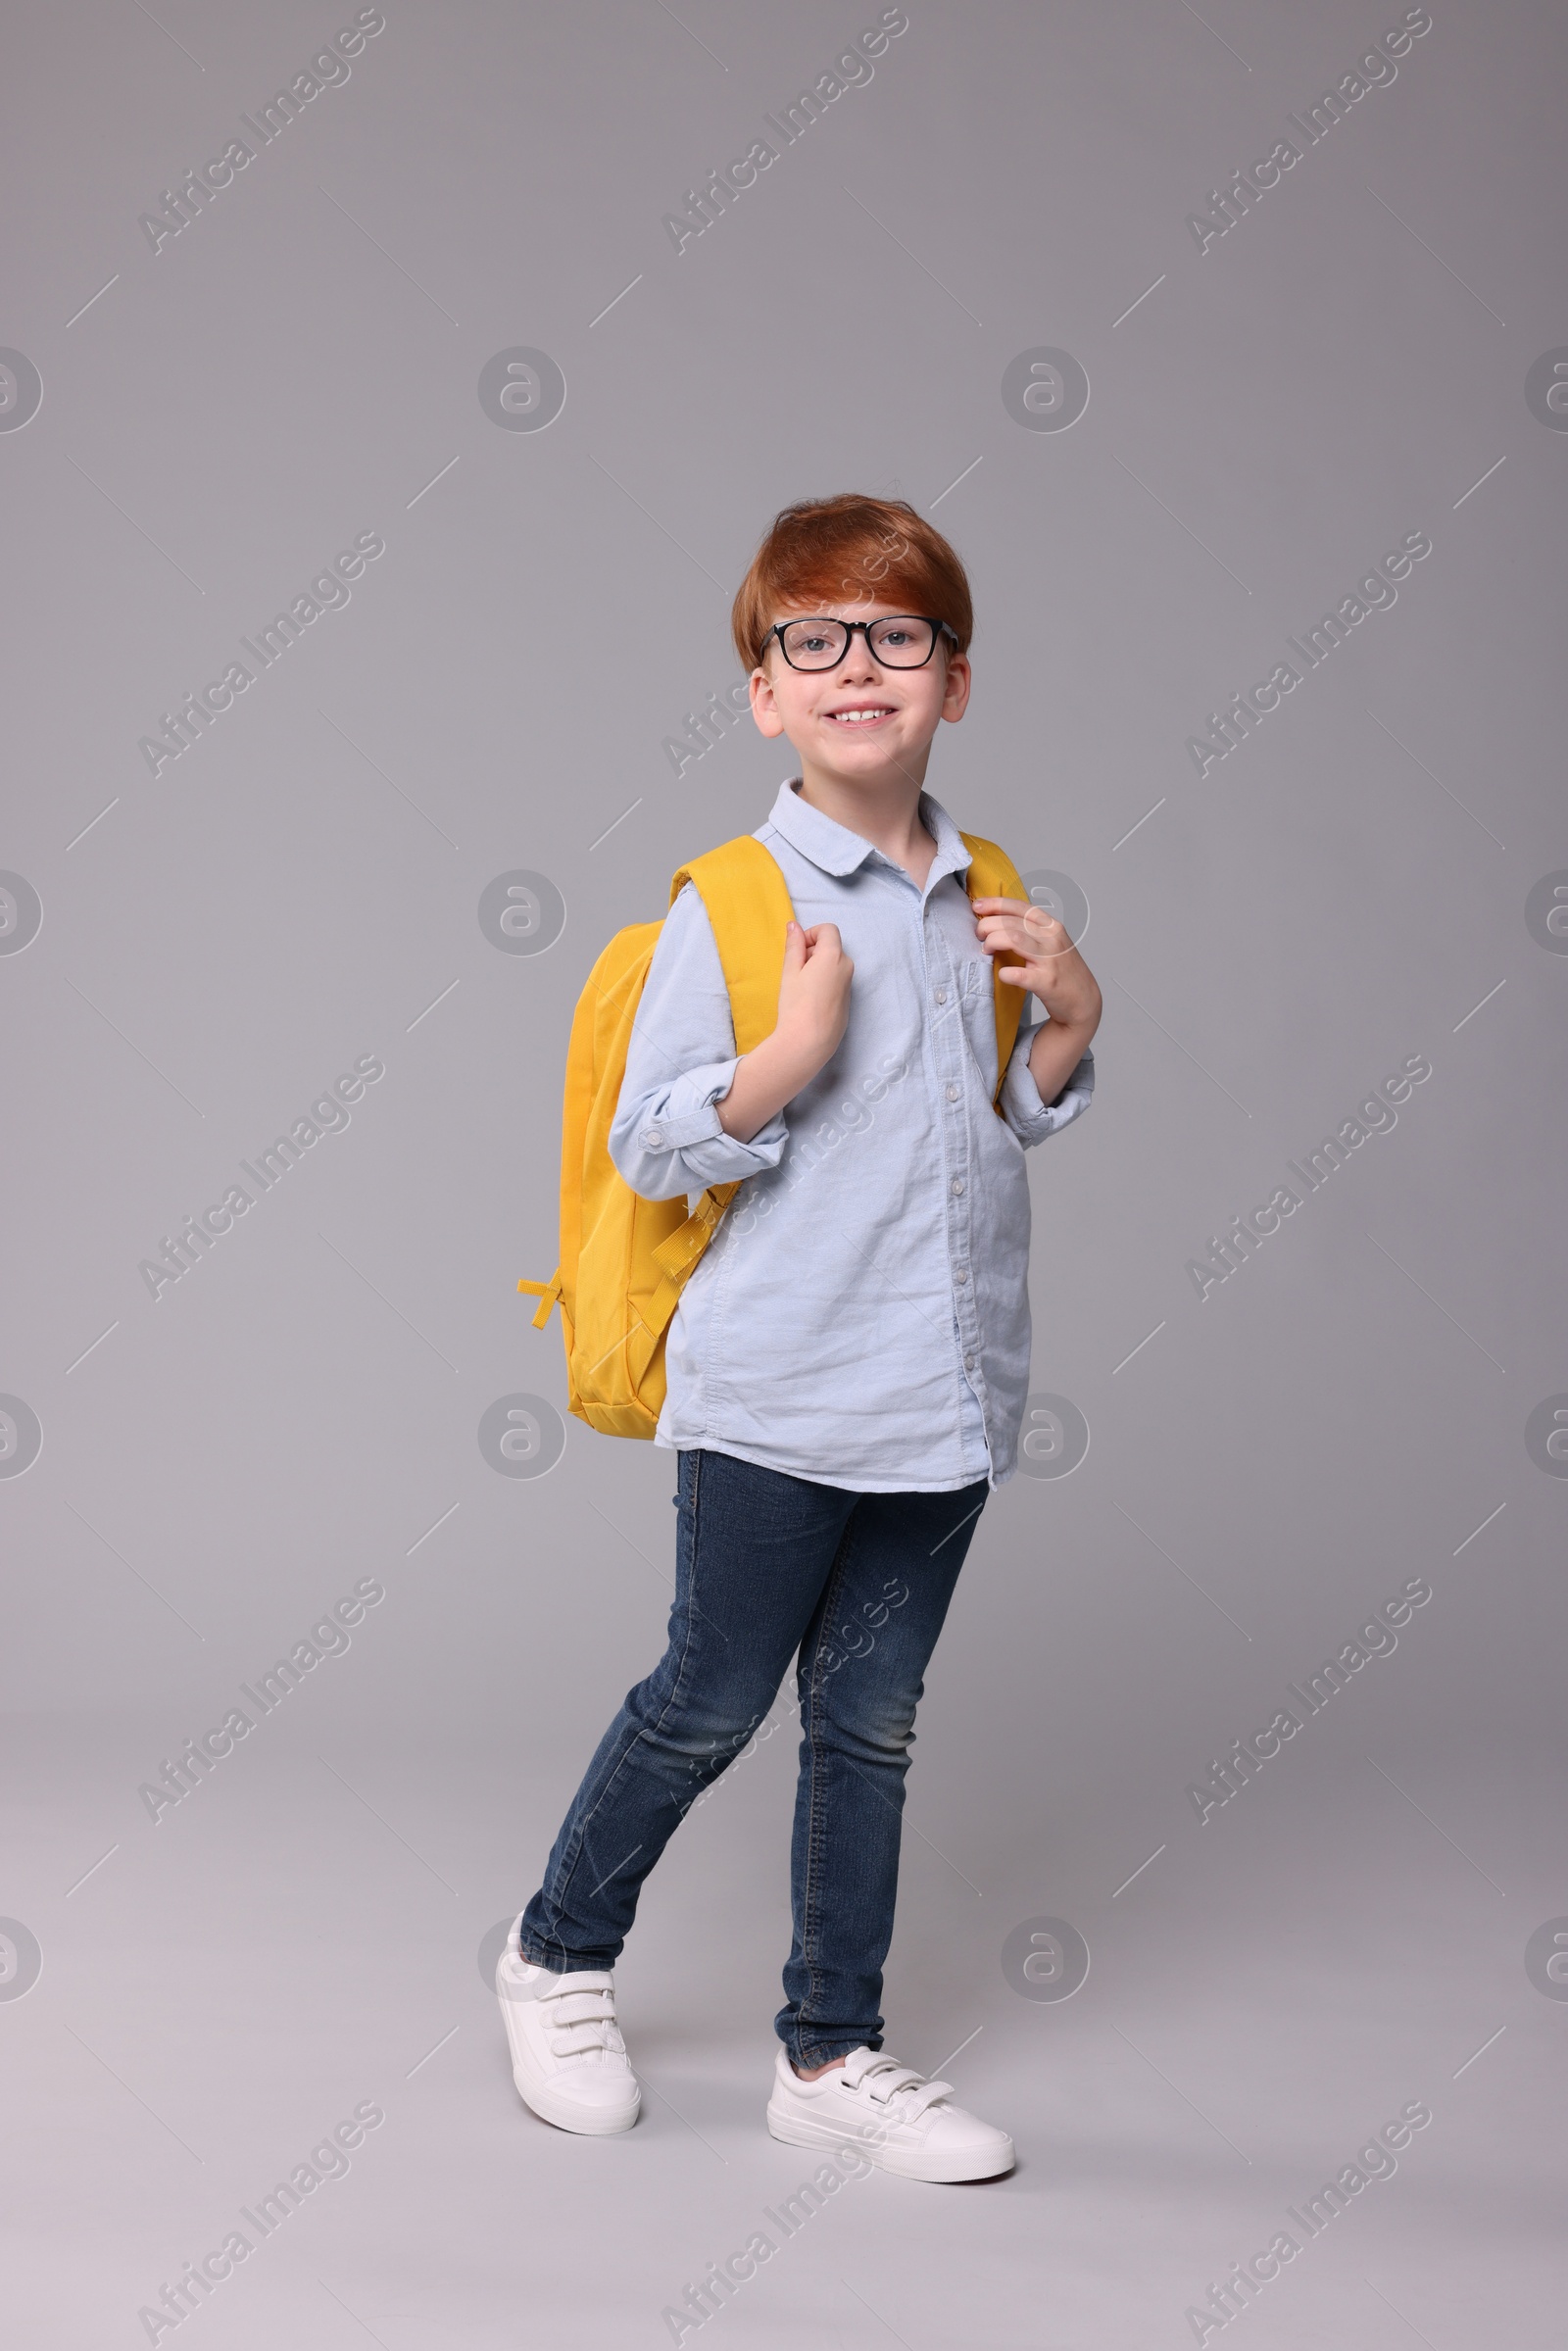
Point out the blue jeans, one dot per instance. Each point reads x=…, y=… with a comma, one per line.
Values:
x=769, y=1565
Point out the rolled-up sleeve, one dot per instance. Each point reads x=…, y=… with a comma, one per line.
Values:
x=1030, y=1118
x=665, y=1137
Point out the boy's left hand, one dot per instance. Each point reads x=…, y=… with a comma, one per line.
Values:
x=1041, y=958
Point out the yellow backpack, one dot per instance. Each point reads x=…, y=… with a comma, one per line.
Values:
x=624, y=1261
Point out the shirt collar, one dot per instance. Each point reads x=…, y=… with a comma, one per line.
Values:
x=837, y=850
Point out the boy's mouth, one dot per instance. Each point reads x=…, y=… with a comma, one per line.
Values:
x=860, y=714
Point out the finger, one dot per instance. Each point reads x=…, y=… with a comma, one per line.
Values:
x=1000, y=905
x=1013, y=975
x=996, y=929
x=1017, y=939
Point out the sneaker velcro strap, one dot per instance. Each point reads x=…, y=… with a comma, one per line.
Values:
x=581, y=2008
x=576, y=2041
x=882, y=2086
x=884, y=2080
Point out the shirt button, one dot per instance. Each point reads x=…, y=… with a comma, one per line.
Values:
x=962, y=1274
x=968, y=1362
x=958, y=1183
x=939, y=996
x=953, y=1094
x=653, y=1137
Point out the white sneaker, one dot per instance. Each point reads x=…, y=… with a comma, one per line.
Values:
x=568, y=2057
x=897, y=2119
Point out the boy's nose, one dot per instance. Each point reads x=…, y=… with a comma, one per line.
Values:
x=858, y=659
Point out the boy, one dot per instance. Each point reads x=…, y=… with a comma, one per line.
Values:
x=848, y=1366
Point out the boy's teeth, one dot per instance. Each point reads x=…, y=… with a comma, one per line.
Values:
x=855, y=717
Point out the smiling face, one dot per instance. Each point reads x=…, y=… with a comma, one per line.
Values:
x=861, y=722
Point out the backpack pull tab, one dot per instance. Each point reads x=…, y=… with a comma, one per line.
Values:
x=548, y=1294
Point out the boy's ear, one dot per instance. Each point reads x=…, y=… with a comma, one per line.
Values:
x=764, y=710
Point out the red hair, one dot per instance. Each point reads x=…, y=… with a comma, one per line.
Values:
x=850, y=548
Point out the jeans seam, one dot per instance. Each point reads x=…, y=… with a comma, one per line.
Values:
x=569, y=1864
x=837, y=1577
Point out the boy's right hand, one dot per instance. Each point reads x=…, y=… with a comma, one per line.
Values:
x=813, y=992
x=814, y=1012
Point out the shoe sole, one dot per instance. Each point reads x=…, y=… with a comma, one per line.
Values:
x=566, y=2116
x=905, y=2163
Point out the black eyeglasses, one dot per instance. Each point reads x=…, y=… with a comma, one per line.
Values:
x=901, y=640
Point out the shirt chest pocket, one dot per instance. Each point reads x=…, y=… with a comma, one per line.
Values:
x=977, y=1000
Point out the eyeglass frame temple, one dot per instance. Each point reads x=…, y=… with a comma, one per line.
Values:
x=938, y=628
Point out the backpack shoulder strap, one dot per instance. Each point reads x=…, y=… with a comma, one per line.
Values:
x=748, y=902
x=992, y=874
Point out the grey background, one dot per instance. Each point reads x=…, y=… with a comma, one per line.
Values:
x=302, y=888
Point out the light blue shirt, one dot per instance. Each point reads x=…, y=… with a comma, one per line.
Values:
x=861, y=1316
